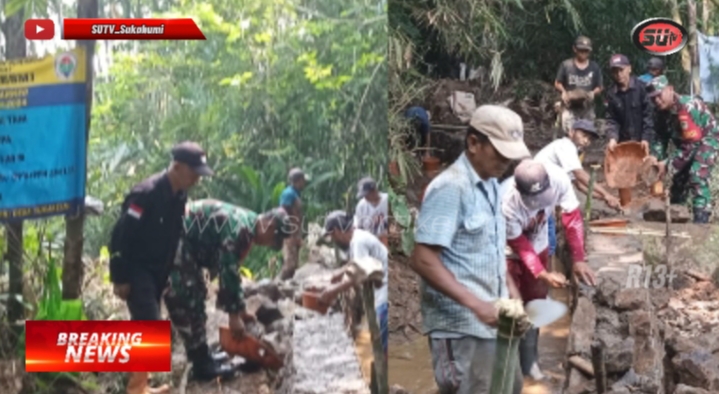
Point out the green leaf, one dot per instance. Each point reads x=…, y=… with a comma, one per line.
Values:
x=400, y=209
x=407, y=241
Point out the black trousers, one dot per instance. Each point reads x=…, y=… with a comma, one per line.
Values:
x=146, y=288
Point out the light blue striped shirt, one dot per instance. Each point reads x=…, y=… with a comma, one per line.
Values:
x=461, y=213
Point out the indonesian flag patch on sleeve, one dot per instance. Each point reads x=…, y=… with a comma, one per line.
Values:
x=135, y=211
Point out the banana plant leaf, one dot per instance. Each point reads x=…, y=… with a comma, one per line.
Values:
x=53, y=307
x=400, y=210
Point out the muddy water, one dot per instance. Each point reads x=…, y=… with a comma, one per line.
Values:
x=410, y=364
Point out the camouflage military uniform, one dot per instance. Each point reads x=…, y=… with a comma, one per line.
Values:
x=217, y=236
x=695, y=133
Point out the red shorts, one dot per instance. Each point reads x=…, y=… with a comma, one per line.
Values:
x=530, y=288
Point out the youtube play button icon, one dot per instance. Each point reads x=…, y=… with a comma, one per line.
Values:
x=39, y=29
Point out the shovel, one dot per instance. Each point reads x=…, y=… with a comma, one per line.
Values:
x=544, y=312
x=250, y=348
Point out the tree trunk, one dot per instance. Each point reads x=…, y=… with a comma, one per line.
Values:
x=686, y=61
x=693, y=47
x=16, y=48
x=707, y=9
x=73, y=269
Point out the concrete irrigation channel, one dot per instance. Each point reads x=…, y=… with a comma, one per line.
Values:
x=320, y=356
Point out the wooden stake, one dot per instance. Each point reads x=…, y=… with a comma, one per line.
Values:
x=600, y=372
x=668, y=235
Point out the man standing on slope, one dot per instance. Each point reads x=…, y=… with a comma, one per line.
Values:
x=579, y=80
x=145, y=238
x=292, y=204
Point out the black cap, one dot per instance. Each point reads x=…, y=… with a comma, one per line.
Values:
x=337, y=220
x=656, y=62
x=585, y=125
x=365, y=186
x=583, y=42
x=618, y=60
x=295, y=175
x=283, y=225
x=191, y=154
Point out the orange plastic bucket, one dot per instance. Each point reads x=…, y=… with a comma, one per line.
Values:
x=430, y=164
x=249, y=348
x=622, y=167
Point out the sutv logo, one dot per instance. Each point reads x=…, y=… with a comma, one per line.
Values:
x=660, y=36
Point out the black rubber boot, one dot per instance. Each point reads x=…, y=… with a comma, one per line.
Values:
x=205, y=367
x=701, y=216
x=219, y=355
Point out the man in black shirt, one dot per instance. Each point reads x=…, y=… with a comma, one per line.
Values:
x=579, y=80
x=146, y=236
x=629, y=113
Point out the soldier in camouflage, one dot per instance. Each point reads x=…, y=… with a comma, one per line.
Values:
x=217, y=237
x=696, y=135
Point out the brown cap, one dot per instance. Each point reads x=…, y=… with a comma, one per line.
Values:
x=504, y=129
x=583, y=42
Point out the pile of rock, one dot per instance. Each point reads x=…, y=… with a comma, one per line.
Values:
x=655, y=340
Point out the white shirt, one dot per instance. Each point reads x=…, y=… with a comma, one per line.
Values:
x=364, y=244
x=533, y=224
x=562, y=153
x=372, y=218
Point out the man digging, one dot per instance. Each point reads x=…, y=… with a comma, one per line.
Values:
x=564, y=153
x=537, y=189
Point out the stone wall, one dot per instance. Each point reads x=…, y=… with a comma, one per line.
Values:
x=655, y=340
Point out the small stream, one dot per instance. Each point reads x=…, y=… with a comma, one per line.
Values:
x=410, y=363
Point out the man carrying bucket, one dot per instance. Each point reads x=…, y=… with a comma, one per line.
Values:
x=217, y=237
x=629, y=112
x=696, y=132
x=537, y=189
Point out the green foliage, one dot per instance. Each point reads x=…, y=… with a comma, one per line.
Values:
x=401, y=215
x=52, y=307
x=275, y=85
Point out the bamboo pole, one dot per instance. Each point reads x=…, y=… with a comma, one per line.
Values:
x=509, y=333
x=668, y=235
x=590, y=193
x=380, y=383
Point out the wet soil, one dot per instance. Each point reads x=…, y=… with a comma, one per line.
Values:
x=410, y=364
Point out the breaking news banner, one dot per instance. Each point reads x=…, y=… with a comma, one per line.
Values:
x=131, y=29
x=98, y=346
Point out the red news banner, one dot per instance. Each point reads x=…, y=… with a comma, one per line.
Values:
x=131, y=29
x=98, y=346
